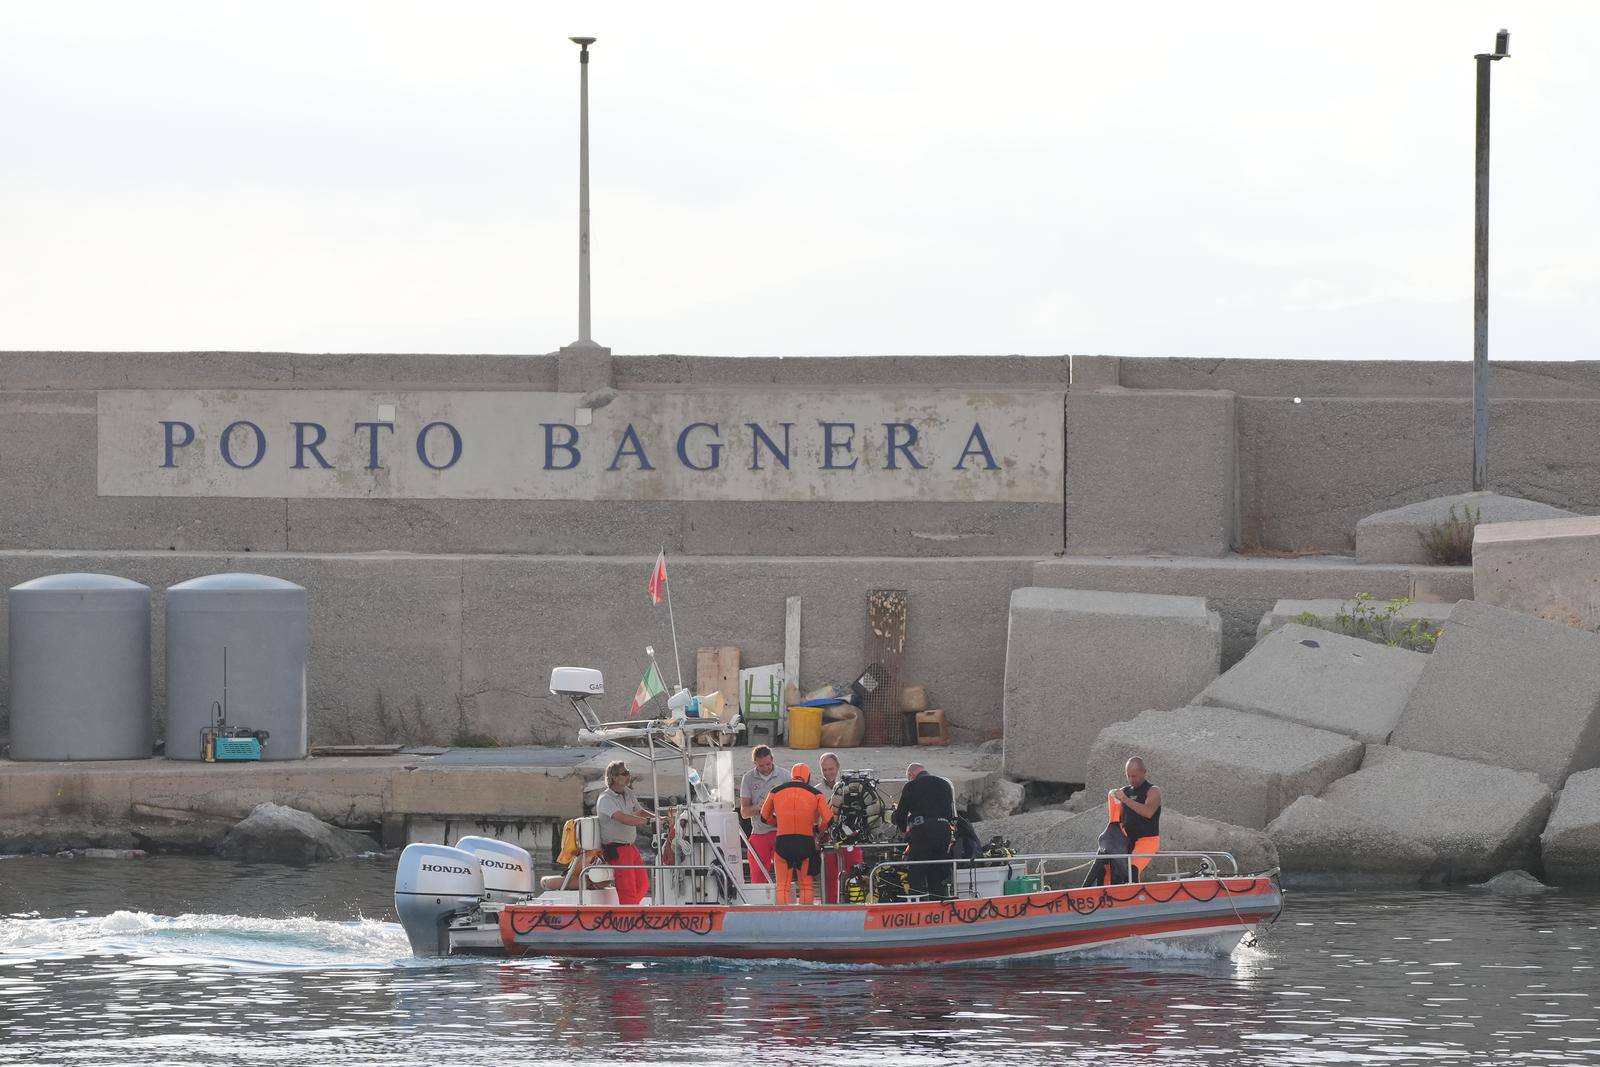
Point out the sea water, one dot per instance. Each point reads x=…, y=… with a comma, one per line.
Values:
x=169, y=960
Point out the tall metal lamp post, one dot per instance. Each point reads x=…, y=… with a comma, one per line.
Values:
x=1480, y=273
x=583, y=44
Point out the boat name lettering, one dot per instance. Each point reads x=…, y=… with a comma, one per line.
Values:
x=593, y=920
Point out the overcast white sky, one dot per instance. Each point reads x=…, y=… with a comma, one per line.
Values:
x=1245, y=179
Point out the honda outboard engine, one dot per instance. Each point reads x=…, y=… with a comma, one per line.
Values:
x=507, y=869
x=434, y=884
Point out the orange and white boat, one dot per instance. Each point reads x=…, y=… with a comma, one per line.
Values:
x=480, y=896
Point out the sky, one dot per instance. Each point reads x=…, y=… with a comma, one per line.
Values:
x=1152, y=179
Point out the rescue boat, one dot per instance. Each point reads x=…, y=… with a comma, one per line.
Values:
x=481, y=895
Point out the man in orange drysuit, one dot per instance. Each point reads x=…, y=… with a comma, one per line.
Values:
x=799, y=811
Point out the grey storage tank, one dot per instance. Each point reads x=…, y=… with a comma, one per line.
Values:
x=80, y=668
x=262, y=623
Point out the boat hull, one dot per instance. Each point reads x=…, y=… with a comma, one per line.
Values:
x=1198, y=911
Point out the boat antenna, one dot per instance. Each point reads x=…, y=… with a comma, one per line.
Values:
x=677, y=660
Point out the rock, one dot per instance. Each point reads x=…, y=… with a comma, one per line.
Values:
x=1078, y=661
x=1314, y=837
x=273, y=833
x=114, y=853
x=1321, y=679
x=1286, y=611
x=1479, y=819
x=1224, y=764
x=1513, y=884
x=1509, y=690
x=1003, y=797
x=1545, y=568
x=1394, y=536
x=1570, y=844
x=50, y=836
x=1057, y=831
x=994, y=746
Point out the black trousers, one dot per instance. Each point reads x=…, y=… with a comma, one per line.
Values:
x=929, y=840
x=1097, y=873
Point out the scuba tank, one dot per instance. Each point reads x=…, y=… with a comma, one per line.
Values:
x=855, y=888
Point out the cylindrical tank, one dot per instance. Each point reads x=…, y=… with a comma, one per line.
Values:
x=80, y=668
x=261, y=623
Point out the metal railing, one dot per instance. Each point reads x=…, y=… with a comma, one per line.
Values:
x=1037, y=865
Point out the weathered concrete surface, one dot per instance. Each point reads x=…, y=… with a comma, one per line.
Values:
x=1310, y=471
x=422, y=788
x=1549, y=569
x=1478, y=819
x=1316, y=838
x=1570, y=843
x=1178, y=448
x=1223, y=764
x=1243, y=588
x=273, y=833
x=1287, y=611
x=1510, y=690
x=1395, y=536
x=1286, y=378
x=1056, y=830
x=1321, y=679
x=1078, y=661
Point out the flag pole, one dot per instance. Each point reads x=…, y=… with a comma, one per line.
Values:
x=677, y=661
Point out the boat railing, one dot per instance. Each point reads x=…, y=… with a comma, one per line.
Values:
x=1064, y=870
x=728, y=887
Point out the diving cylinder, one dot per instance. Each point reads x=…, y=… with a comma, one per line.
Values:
x=507, y=868
x=433, y=884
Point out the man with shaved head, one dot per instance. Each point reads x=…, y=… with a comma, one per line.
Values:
x=925, y=814
x=1141, y=813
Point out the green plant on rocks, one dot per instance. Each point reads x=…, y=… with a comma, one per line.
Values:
x=1378, y=622
x=1449, y=543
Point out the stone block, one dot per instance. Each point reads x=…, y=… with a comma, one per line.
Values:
x=1478, y=819
x=1395, y=536
x=1315, y=838
x=1177, y=447
x=583, y=366
x=1224, y=764
x=1571, y=840
x=1321, y=679
x=1510, y=690
x=1549, y=569
x=1078, y=661
x=1286, y=611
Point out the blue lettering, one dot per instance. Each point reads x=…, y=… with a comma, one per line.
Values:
x=758, y=435
x=637, y=451
x=977, y=446
x=902, y=447
x=570, y=446
x=302, y=446
x=172, y=444
x=714, y=448
x=422, y=446
x=372, y=441
x=829, y=446
x=227, y=445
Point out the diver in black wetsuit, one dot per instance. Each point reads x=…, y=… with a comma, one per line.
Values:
x=926, y=811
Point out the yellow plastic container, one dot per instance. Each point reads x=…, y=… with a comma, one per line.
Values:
x=805, y=727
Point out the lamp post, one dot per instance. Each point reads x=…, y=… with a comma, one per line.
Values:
x=583, y=44
x=1480, y=272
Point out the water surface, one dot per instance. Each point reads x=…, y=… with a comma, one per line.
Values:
x=171, y=960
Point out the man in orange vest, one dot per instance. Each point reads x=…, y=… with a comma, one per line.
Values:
x=799, y=811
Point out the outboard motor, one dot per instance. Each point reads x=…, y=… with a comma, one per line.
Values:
x=507, y=869
x=433, y=884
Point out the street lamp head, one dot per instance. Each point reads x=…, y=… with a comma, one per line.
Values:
x=1502, y=44
x=585, y=42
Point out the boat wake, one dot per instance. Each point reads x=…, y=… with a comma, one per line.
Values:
x=233, y=942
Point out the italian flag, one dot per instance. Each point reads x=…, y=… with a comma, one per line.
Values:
x=650, y=687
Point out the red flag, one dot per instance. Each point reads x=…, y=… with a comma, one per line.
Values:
x=658, y=577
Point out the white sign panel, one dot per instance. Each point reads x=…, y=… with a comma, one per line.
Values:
x=933, y=445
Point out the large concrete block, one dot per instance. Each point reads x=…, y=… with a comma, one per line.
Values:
x=1478, y=819
x=1510, y=690
x=1322, y=679
x=1224, y=764
x=1549, y=569
x=1243, y=588
x=1395, y=536
x=1316, y=838
x=1176, y=447
x=1286, y=611
x=1571, y=839
x=1078, y=661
